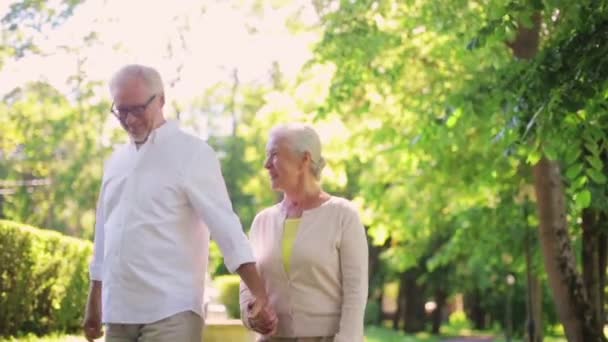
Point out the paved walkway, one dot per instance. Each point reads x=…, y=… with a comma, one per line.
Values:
x=470, y=339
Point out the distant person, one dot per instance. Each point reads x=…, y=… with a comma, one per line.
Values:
x=161, y=198
x=311, y=249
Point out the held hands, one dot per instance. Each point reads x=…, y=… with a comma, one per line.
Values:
x=262, y=317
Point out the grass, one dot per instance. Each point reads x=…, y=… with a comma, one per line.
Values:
x=48, y=338
x=372, y=334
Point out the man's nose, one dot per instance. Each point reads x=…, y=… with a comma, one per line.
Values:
x=130, y=119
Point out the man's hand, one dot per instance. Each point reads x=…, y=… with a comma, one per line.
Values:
x=92, y=326
x=262, y=317
x=91, y=323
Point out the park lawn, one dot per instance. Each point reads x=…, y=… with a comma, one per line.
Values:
x=49, y=338
x=373, y=334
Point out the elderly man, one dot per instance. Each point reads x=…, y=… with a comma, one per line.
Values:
x=162, y=197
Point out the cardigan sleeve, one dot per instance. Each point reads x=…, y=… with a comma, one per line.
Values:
x=245, y=295
x=354, y=267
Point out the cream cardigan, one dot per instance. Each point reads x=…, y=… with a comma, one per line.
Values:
x=325, y=292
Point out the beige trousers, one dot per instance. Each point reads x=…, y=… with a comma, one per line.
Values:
x=185, y=326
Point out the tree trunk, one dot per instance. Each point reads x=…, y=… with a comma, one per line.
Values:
x=534, y=324
x=381, y=315
x=400, y=303
x=566, y=284
x=413, y=313
x=440, y=300
x=376, y=278
x=474, y=311
x=534, y=304
x=591, y=264
x=603, y=259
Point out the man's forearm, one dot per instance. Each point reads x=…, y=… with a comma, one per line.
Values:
x=250, y=276
x=95, y=294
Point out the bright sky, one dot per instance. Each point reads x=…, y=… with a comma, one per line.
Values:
x=217, y=41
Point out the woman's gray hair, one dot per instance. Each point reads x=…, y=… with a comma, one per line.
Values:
x=148, y=75
x=303, y=138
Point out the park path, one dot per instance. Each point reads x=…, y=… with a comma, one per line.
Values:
x=470, y=339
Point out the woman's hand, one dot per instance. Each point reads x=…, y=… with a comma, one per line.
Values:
x=262, y=317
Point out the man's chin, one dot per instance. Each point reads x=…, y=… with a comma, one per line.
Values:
x=138, y=138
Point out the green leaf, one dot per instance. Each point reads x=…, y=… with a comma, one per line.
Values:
x=550, y=151
x=533, y=157
x=572, y=153
x=573, y=171
x=596, y=176
x=583, y=199
x=592, y=147
x=595, y=162
x=596, y=133
x=579, y=183
x=453, y=119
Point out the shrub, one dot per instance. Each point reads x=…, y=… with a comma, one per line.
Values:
x=228, y=288
x=458, y=321
x=373, y=313
x=43, y=280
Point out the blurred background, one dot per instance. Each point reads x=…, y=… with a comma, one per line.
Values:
x=471, y=135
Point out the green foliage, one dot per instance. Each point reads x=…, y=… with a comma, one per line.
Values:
x=458, y=320
x=44, y=280
x=228, y=287
x=27, y=22
x=55, y=337
x=52, y=158
x=446, y=123
x=373, y=313
x=435, y=125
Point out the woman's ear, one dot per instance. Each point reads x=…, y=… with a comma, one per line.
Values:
x=306, y=158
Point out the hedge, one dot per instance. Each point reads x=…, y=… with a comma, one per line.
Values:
x=43, y=280
x=228, y=288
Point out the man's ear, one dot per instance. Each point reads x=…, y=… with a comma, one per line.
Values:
x=162, y=100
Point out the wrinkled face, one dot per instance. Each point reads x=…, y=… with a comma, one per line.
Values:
x=136, y=107
x=285, y=167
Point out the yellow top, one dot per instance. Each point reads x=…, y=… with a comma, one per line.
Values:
x=290, y=230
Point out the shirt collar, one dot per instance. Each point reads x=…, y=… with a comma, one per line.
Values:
x=163, y=131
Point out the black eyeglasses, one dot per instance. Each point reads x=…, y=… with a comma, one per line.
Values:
x=137, y=110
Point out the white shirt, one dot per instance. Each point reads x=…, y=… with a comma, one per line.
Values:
x=157, y=208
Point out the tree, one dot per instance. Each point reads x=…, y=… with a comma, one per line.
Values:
x=449, y=129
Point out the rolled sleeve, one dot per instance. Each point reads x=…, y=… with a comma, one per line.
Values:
x=96, y=265
x=354, y=268
x=207, y=193
x=245, y=295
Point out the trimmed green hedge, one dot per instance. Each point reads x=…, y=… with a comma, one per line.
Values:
x=43, y=280
x=228, y=288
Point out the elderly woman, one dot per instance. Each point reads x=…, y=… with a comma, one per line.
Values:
x=311, y=250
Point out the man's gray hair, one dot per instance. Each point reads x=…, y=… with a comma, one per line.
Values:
x=148, y=75
x=303, y=138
